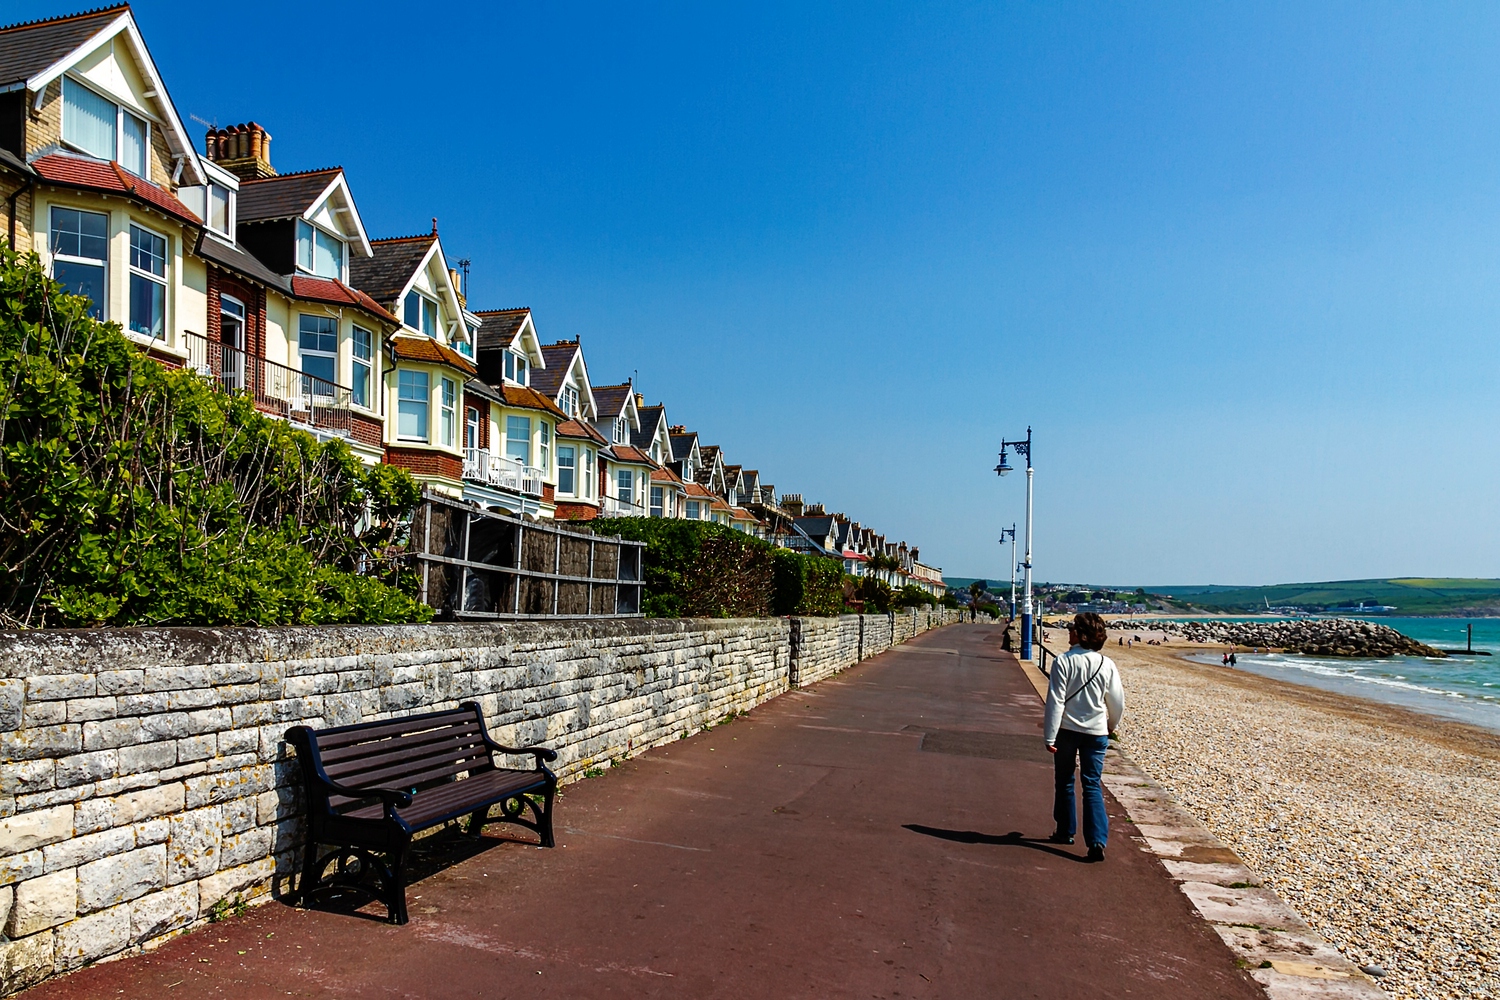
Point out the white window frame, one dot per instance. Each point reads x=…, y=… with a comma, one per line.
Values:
x=85, y=261
x=571, y=467
x=625, y=486
x=622, y=430
x=120, y=113
x=570, y=399
x=588, y=474
x=517, y=438
x=229, y=209
x=448, y=408
x=425, y=401
x=343, y=243
x=163, y=280
x=356, y=363
x=424, y=301
x=658, y=505
x=544, y=442
x=472, y=418
x=304, y=352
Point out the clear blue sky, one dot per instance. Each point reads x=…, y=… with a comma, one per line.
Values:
x=1240, y=268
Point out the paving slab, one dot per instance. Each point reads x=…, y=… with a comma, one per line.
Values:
x=877, y=835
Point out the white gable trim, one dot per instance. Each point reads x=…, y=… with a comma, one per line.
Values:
x=455, y=308
x=340, y=183
x=176, y=135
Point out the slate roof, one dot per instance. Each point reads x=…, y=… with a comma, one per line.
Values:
x=484, y=389
x=559, y=358
x=31, y=46
x=240, y=262
x=651, y=418
x=682, y=445
x=611, y=399
x=283, y=197
x=817, y=528
x=102, y=175
x=428, y=350
x=337, y=293
x=498, y=327
x=395, y=260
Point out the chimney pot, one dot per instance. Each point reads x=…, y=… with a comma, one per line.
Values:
x=244, y=150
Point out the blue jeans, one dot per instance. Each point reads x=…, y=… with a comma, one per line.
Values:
x=1089, y=752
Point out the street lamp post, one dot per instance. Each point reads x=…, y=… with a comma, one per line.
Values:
x=1022, y=448
x=1011, y=531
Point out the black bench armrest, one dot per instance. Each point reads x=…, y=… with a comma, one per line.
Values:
x=540, y=753
x=392, y=797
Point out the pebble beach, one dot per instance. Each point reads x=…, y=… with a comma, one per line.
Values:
x=1379, y=825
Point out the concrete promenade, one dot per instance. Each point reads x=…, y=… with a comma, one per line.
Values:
x=877, y=835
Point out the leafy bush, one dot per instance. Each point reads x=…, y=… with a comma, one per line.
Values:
x=912, y=596
x=134, y=494
x=698, y=569
x=876, y=595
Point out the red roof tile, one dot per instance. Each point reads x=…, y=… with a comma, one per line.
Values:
x=627, y=453
x=99, y=175
x=528, y=398
x=430, y=351
x=578, y=429
x=338, y=293
x=665, y=476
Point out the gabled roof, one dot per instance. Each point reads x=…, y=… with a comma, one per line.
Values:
x=652, y=419
x=612, y=399
x=386, y=274
x=579, y=429
x=337, y=293
x=32, y=47
x=500, y=326
x=683, y=445
x=741, y=514
x=34, y=53
x=666, y=476
x=286, y=196
x=626, y=453
x=559, y=359
x=698, y=490
x=100, y=175
x=527, y=398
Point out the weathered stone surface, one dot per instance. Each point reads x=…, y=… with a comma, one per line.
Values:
x=121, y=878
x=43, y=902
x=35, y=829
x=226, y=884
x=193, y=845
x=18, y=867
x=160, y=912
x=77, y=851
x=25, y=962
x=7, y=897
x=93, y=937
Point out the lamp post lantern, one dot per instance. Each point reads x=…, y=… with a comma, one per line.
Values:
x=1011, y=533
x=1022, y=448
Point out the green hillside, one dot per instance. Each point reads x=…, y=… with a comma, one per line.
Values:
x=1409, y=595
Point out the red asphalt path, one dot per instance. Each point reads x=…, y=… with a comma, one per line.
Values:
x=860, y=838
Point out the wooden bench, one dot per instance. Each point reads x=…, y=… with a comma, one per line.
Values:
x=370, y=787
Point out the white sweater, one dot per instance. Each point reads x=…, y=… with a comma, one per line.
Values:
x=1084, y=694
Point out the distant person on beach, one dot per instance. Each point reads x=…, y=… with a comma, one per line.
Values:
x=1232, y=660
x=1084, y=704
x=1224, y=660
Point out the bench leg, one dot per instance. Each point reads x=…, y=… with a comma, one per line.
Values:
x=546, y=831
x=395, y=888
x=477, y=819
x=306, y=883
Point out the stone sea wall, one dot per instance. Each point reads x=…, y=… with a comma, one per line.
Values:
x=144, y=779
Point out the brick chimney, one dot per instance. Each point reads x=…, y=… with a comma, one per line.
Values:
x=792, y=504
x=814, y=510
x=677, y=429
x=640, y=400
x=243, y=150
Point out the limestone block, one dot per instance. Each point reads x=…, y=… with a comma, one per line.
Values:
x=239, y=815
x=157, y=913
x=25, y=962
x=119, y=681
x=26, y=776
x=89, y=709
x=18, y=867
x=242, y=848
x=93, y=937
x=7, y=897
x=43, y=902
x=37, y=828
x=244, y=879
x=78, y=851
x=58, y=687
x=237, y=740
x=197, y=748
x=86, y=768
x=145, y=758
x=148, y=803
x=12, y=699
x=211, y=789
x=121, y=878
x=36, y=742
x=193, y=844
x=108, y=733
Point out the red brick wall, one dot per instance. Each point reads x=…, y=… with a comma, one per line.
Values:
x=483, y=406
x=576, y=511
x=367, y=430
x=548, y=492
x=254, y=297
x=426, y=463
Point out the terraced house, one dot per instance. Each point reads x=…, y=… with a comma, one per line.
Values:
x=269, y=284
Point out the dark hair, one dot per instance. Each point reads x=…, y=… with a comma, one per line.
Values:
x=1091, y=630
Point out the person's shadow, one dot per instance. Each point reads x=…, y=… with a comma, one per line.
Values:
x=1012, y=839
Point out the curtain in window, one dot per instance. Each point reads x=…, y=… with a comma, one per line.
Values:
x=88, y=120
x=328, y=256
x=518, y=439
x=133, y=145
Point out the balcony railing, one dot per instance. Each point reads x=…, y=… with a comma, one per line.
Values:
x=276, y=389
x=615, y=507
x=502, y=472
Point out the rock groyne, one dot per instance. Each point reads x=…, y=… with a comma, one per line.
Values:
x=1315, y=636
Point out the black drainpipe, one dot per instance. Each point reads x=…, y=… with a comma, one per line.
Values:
x=11, y=204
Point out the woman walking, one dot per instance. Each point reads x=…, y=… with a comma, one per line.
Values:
x=1084, y=704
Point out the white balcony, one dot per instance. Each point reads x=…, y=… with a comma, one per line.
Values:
x=502, y=472
x=615, y=507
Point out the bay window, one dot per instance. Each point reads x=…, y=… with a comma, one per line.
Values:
x=657, y=497
x=544, y=429
x=449, y=411
x=80, y=250
x=692, y=510
x=412, y=401
x=318, y=252
x=625, y=486
x=100, y=127
x=518, y=439
x=148, y=285
x=318, y=339
x=588, y=472
x=220, y=219
x=420, y=313
x=362, y=347
x=567, y=468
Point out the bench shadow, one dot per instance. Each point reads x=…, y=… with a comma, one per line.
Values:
x=428, y=856
x=1012, y=839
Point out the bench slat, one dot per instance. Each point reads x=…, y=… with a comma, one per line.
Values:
x=408, y=778
x=460, y=796
x=406, y=739
x=438, y=744
x=329, y=739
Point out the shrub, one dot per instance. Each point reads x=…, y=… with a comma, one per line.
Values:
x=698, y=569
x=133, y=494
x=807, y=585
x=912, y=596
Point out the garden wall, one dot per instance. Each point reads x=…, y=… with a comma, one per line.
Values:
x=145, y=778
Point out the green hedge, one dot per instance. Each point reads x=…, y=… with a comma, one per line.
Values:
x=133, y=494
x=698, y=569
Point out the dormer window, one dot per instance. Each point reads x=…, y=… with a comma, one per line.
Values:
x=319, y=252
x=102, y=128
x=569, y=401
x=420, y=313
x=622, y=430
x=515, y=367
x=221, y=210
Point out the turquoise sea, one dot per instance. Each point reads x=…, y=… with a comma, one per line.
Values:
x=1465, y=688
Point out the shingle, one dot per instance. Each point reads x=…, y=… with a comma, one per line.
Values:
x=28, y=48
x=651, y=418
x=559, y=358
x=579, y=429
x=430, y=351
x=101, y=175
x=387, y=273
x=611, y=399
x=338, y=293
x=498, y=327
x=240, y=262
x=283, y=197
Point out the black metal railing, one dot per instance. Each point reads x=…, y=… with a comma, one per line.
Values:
x=277, y=390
